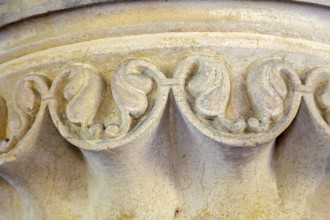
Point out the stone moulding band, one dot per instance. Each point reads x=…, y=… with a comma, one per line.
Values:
x=201, y=87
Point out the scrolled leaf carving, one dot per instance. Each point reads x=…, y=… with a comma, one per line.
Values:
x=210, y=88
x=269, y=88
x=266, y=87
x=28, y=95
x=84, y=92
x=130, y=86
x=87, y=109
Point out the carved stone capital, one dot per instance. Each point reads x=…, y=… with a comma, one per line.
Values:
x=166, y=110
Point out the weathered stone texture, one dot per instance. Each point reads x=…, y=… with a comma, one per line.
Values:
x=166, y=110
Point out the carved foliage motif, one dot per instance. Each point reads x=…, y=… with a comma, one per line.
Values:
x=28, y=96
x=209, y=85
x=81, y=91
x=267, y=88
x=78, y=95
x=130, y=85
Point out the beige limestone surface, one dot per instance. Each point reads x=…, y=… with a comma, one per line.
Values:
x=166, y=110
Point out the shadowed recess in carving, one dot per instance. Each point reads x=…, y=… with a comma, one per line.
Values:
x=27, y=102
